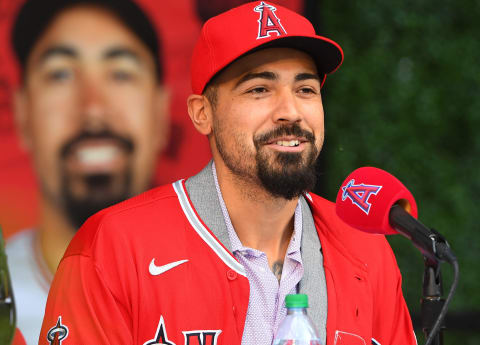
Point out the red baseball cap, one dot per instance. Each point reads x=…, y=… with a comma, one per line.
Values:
x=252, y=27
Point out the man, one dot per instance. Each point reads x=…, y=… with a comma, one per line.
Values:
x=210, y=260
x=92, y=112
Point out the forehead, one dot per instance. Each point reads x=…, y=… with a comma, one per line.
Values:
x=86, y=28
x=280, y=60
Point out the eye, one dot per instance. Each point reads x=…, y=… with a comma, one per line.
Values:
x=58, y=75
x=308, y=90
x=122, y=75
x=257, y=90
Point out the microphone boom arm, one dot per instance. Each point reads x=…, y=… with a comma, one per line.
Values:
x=435, y=249
x=429, y=241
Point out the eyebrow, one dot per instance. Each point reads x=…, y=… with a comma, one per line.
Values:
x=70, y=52
x=274, y=76
x=306, y=76
x=261, y=75
x=59, y=50
x=121, y=52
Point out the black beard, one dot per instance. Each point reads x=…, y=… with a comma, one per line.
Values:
x=99, y=195
x=79, y=210
x=292, y=179
x=296, y=174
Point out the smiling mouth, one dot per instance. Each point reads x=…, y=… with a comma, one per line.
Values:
x=288, y=143
x=284, y=138
x=97, y=156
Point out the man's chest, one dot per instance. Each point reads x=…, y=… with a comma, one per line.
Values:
x=189, y=297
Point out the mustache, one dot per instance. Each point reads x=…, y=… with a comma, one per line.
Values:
x=124, y=142
x=284, y=130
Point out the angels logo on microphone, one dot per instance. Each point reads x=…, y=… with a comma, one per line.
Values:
x=359, y=194
x=268, y=21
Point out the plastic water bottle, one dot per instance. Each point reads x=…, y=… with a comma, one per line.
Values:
x=297, y=328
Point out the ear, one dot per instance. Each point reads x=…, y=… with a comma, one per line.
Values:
x=200, y=112
x=162, y=117
x=20, y=117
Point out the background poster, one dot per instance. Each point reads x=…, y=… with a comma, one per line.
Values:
x=179, y=24
x=405, y=100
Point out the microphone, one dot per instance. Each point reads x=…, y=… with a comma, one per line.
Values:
x=374, y=201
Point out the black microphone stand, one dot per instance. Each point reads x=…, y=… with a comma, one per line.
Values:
x=432, y=301
x=435, y=250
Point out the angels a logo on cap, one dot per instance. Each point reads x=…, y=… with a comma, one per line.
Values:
x=268, y=22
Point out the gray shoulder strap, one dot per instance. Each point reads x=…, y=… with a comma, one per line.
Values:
x=203, y=194
x=313, y=282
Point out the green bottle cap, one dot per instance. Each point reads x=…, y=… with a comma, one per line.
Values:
x=296, y=301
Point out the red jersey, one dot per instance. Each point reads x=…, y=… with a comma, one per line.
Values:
x=149, y=271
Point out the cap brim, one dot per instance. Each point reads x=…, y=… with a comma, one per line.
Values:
x=327, y=54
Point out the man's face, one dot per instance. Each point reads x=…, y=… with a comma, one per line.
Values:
x=268, y=121
x=91, y=112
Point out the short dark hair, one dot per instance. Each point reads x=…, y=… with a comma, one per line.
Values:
x=211, y=92
x=34, y=17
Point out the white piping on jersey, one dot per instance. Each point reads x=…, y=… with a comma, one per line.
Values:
x=205, y=235
x=338, y=337
x=375, y=342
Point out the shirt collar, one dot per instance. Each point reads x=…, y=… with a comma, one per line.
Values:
x=295, y=241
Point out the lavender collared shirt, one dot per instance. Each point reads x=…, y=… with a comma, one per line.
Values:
x=266, y=303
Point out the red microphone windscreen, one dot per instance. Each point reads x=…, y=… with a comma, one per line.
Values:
x=366, y=197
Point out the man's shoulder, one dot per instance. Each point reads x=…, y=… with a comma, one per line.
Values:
x=30, y=277
x=136, y=217
x=20, y=252
x=19, y=242
x=364, y=247
x=154, y=196
x=146, y=205
x=324, y=211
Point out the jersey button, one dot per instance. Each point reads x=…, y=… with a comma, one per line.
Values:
x=231, y=275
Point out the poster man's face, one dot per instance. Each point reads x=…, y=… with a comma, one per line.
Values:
x=91, y=112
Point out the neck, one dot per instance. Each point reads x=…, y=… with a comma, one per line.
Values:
x=261, y=221
x=55, y=233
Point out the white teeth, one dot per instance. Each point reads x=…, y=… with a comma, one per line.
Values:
x=97, y=155
x=288, y=143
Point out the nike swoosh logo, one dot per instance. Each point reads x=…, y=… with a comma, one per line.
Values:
x=156, y=270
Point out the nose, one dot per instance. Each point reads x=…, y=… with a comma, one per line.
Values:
x=287, y=109
x=93, y=105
